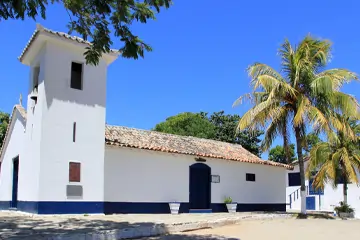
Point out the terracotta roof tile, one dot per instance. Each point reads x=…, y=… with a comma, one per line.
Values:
x=40, y=29
x=156, y=141
x=151, y=140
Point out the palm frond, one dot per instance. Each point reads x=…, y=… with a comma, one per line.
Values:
x=322, y=176
x=258, y=69
x=345, y=104
x=248, y=118
x=241, y=99
x=331, y=80
x=347, y=166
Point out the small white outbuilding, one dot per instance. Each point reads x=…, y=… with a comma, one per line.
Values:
x=59, y=156
x=317, y=199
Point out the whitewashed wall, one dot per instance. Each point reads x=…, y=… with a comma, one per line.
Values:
x=29, y=163
x=60, y=106
x=332, y=197
x=133, y=175
x=13, y=148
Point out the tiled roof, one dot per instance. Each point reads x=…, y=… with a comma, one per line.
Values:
x=40, y=29
x=156, y=141
x=296, y=162
x=22, y=112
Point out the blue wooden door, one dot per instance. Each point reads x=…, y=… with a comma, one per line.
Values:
x=310, y=203
x=14, y=199
x=199, y=194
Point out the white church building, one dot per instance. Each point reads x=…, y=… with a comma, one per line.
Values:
x=60, y=157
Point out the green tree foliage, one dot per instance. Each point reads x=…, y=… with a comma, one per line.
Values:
x=4, y=122
x=277, y=154
x=187, y=124
x=217, y=126
x=225, y=128
x=311, y=140
x=92, y=19
x=301, y=95
x=336, y=161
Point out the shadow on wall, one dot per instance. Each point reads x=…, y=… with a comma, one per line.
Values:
x=28, y=227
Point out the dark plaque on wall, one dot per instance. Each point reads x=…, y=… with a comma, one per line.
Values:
x=74, y=191
x=215, y=178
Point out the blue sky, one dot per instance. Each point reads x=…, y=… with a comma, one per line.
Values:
x=201, y=51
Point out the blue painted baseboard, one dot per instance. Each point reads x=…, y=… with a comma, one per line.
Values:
x=4, y=205
x=141, y=207
x=200, y=210
x=251, y=207
x=127, y=207
x=266, y=207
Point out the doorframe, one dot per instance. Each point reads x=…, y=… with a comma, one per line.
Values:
x=15, y=185
x=208, y=168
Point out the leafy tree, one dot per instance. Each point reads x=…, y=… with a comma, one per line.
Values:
x=187, y=124
x=225, y=128
x=303, y=95
x=277, y=154
x=4, y=122
x=311, y=140
x=217, y=126
x=335, y=161
x=92, y=19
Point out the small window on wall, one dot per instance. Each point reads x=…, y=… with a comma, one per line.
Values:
x=250, y=177
x=294, y=179
x=74, y=172
x=76, y=76
x=36, y=74
x=74, y=131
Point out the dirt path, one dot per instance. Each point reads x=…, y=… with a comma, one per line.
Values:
x=280, y=229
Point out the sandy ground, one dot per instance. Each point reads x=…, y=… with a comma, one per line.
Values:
x=279, y=229
x=15, y=225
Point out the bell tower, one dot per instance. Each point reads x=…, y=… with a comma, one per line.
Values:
x=62, y=170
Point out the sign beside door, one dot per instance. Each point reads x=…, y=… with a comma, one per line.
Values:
x=215, y=178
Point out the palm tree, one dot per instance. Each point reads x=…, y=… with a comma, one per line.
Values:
x=300, y=96
x=337, y=160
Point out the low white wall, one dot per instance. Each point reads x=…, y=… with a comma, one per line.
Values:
x=332, y=197
x=13, y=148
x=133, y=175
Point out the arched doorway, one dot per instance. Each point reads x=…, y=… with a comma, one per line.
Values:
x=200, y=186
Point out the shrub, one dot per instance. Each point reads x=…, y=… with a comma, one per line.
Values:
x=228, y=200
x=343, y=208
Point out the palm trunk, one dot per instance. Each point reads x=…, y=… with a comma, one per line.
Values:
x=286, y=146
x=302, y=168
x=345, y=191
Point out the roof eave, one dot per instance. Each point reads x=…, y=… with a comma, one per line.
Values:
x=41, y=35
x=262, y=162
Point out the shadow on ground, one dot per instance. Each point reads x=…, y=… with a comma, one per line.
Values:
x=27, y=227
x=31, y=228
x=189, y=237
x=314, y=216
